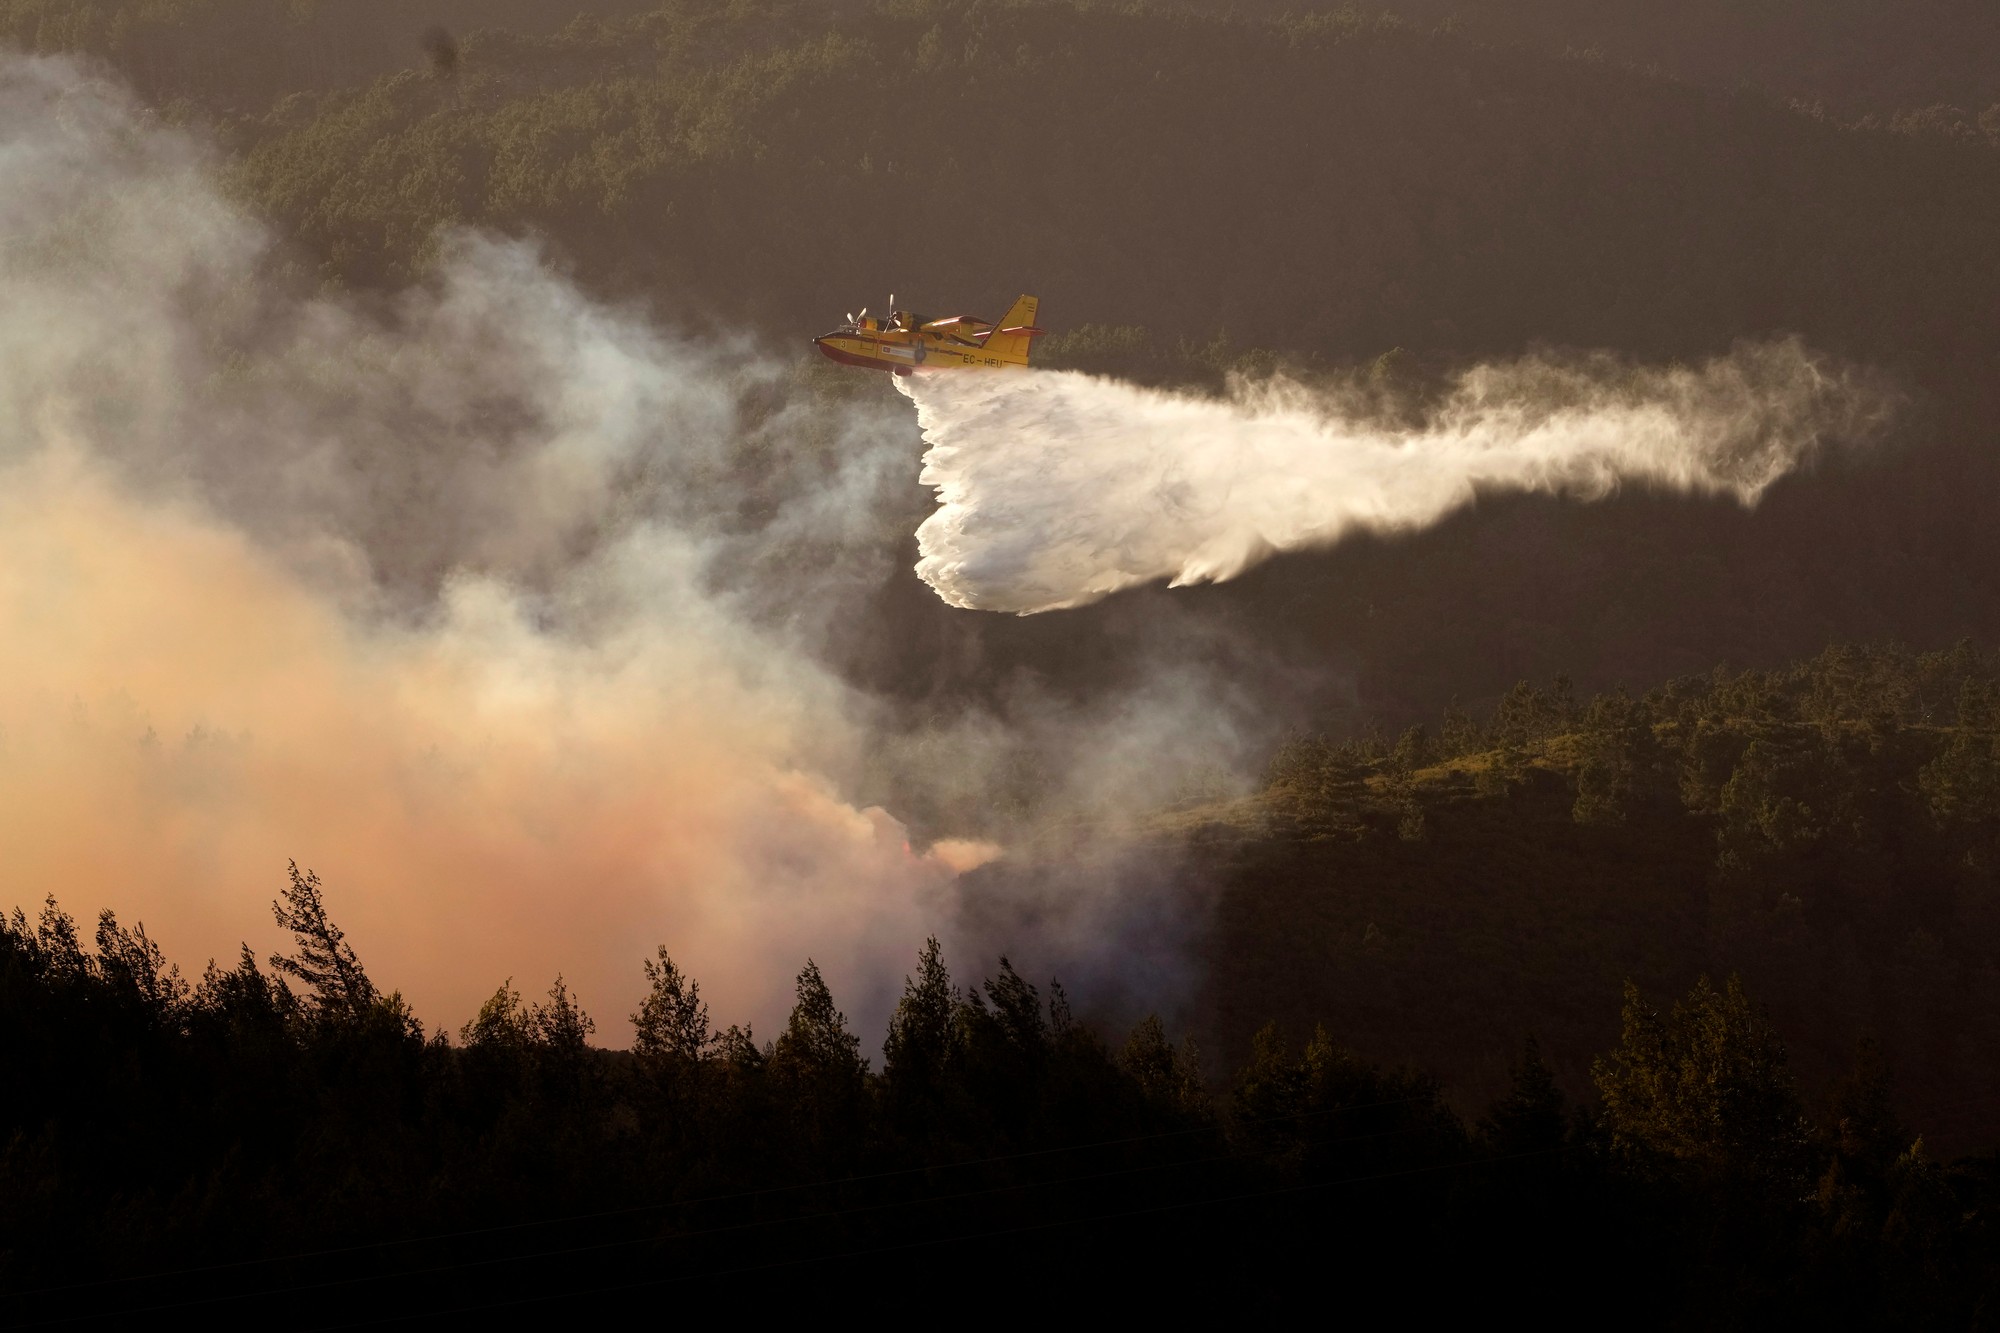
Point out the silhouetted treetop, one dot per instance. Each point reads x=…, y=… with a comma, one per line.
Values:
x=324, y=960
x=670, y=1027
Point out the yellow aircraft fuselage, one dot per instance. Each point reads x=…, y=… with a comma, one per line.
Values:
x=904, y=342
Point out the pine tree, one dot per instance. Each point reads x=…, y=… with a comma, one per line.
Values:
x=502, y=1023
x=1530, y=1118
x=1017, y=1007
x=1621, y=760
x=816, y=1044
x=131, y=963
x=58, y=952
x=324, y=961
x=243, y=997
x=559, y=1023
x=818, y=1062
x=1705, y=1086
x=1169, y=1077
x=671, y=1024
x=922, y=1045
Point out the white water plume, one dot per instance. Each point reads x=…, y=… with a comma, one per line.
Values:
x=1057, y=489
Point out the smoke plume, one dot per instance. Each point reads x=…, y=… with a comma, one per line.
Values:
x=448, y=596
x=1058, y=489
x=503, y=608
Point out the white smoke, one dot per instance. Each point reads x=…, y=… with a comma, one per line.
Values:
x=1057, y=489
x=440, y=594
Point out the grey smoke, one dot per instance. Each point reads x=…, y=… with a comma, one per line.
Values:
x=496, y=604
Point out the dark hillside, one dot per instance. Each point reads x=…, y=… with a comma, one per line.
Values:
x=1361, y=185
x=1858, y=57
x=1927, y=66
x=1331, y=186
x=1827, y=831
x=239, y=56
x=286, y=1135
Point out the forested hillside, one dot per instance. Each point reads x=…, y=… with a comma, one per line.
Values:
x=1937, y=62
x=1335, y=185
x=287, y=1136
x=1931, y=64
x=1363, y=186
x=1566, y=920
x=1825, y=831
x=1329, y=188
x=239, y=56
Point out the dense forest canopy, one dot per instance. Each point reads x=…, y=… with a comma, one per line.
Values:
x=298, y=1120
x=1859, y=57
x=1824, y=830
x=1933, y=61
x=1429, y=192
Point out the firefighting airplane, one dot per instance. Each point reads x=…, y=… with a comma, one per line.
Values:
x=903, y=341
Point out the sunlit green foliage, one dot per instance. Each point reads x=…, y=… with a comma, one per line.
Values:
x=1827, y=830
x=1705, y=1085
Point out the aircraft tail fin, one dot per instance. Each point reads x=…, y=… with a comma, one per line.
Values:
x=1012, y=336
